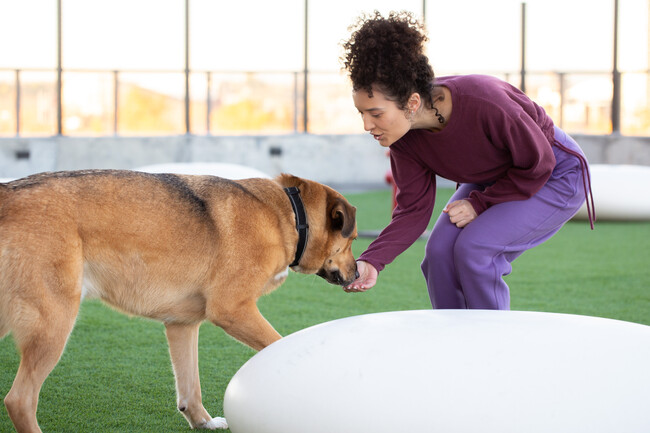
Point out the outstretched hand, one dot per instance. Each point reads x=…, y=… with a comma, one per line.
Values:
x=367, y=278
x=460, y=212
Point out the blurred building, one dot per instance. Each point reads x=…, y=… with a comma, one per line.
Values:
x=206, y=73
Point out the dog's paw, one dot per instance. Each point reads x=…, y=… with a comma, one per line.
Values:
x=216, y=423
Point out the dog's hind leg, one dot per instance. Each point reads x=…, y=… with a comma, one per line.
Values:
x=40, y=348
x=184, y=350
x=43, y=317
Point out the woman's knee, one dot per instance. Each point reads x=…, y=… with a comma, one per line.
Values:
x=437, y=254
x=441, y=242
x=471, y=250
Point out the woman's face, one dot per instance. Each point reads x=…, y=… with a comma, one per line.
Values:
x=381, y=117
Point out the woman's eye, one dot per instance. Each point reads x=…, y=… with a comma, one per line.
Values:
x=373, y=115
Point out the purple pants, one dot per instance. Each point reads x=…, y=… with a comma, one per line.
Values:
x=464, y=267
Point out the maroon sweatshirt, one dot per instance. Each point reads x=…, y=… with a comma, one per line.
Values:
x=495, y=136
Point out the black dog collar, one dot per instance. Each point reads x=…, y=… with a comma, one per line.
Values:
x=301, y=222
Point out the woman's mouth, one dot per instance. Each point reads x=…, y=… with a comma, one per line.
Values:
x=377, y=136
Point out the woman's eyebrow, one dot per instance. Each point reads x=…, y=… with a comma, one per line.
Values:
x=371, y=109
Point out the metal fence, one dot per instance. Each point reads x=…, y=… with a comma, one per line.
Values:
x=64, y=101
x=137, y=102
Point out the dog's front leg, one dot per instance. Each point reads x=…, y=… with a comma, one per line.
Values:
x=184, y=350
x=245, y=323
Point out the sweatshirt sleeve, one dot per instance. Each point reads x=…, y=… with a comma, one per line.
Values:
x=415, y=198
x=532, y=160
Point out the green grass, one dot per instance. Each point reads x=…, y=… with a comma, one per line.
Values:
x=115, y=375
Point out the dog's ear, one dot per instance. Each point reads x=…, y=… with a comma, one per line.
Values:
x=343, y=216
x=288, y=180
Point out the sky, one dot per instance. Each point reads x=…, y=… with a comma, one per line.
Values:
x=465, y=35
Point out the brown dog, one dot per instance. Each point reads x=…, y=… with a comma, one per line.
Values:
x=179, y=249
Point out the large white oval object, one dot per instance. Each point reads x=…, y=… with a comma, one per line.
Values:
x=448, y=371
x=621, y=193
x=221, y=169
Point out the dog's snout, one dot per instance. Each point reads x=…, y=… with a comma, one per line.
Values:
x=335, y=277
x=344, y=280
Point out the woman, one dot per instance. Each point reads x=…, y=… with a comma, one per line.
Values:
x=520, y=178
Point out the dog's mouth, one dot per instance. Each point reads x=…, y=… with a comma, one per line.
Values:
x=335, y=277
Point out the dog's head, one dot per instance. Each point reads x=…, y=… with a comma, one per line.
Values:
x=332, y=228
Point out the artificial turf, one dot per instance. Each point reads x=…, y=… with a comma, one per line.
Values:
x=115, y=375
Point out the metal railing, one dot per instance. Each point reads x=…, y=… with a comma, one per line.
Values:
x=304, y=103
x=209, y=91
x=59, y=104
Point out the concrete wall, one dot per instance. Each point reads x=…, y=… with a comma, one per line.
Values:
x=353, y=161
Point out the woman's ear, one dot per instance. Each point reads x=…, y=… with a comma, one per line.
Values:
x=414, y=102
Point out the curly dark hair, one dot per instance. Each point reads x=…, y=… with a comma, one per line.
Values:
x=389, y=54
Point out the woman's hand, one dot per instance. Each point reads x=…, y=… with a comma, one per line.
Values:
x=367, y=278
x=460, y=212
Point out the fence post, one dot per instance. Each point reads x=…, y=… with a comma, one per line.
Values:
x=295, y=101
x=17, y=103
x=208, y=102
x=616, y=78
x=522, y=86
x=116, y=90
x=306, y=71
x=562, y=90
x=59, y=72
x=187, y=67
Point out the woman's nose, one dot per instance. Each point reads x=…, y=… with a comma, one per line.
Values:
x=367, y=123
